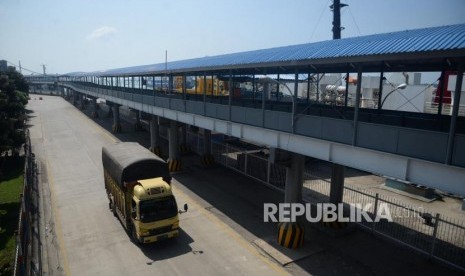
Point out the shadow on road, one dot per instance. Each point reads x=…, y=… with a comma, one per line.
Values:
x=170, y=248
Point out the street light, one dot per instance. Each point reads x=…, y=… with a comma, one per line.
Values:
x=400, y=86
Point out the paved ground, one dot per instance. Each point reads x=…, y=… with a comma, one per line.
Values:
x=91, y=241
x=219, y=231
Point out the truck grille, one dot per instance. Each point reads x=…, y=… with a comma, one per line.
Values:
x=160, y=230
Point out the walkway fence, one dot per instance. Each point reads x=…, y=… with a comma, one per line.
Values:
x=430, y=233
x=28, y=248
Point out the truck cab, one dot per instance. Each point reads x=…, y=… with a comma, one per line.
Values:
x=154, y=211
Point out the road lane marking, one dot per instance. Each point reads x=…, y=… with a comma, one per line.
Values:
x=56, y=218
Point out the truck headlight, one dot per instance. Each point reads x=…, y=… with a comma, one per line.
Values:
x=144, y=232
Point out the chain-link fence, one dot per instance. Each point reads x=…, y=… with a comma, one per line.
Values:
x=28, y=248
x=430, y=233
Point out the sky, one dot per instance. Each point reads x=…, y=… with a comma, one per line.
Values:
x=70, y=36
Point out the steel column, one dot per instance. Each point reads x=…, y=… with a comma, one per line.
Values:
x=380, y=95
x=455, y=112
x=357, y=105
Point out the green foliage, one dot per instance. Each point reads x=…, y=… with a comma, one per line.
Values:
x=11, y=186
x=18, y=80
x=22, y=96
x=13, y=99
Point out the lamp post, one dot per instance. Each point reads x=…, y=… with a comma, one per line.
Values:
x=400, y=86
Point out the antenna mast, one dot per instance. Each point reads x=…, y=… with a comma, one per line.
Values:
x=336, y=8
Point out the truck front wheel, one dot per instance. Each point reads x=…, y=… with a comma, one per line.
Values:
x=134, y=235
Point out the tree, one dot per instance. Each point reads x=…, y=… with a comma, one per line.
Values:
x=13, y=99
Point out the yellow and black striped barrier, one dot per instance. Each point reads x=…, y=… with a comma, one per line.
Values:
x=174, y=165
x=207, y=160
x=334, y=224
x=291, y=234
x=156, y=151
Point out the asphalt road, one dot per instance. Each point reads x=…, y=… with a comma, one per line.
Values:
x=83, y=236
x=219, y=232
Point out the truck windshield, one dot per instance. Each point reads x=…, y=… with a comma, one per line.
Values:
x=157, y=209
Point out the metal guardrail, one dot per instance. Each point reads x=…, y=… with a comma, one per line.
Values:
x=429, y=233
x=28, y=249
x=433, y=234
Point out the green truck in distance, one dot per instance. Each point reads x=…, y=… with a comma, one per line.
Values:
x=138, y=187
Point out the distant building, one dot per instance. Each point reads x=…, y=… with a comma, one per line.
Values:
x=3, y=66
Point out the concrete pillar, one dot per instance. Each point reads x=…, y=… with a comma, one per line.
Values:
x=336, y=193
x=174, y=162
x=292, y=234
x=337, y=184
x=207, y=141
x=110, y=110
x=155, y=135
x=183, y=147
x=116, y=128
x=207, y=158
x=294, y=179
x=95, y=108
x=82, y=106
x=184, y=134
x=137, y=124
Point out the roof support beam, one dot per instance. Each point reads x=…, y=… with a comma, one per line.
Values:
x=380, y=94
x=455, y=112
x=357, y=104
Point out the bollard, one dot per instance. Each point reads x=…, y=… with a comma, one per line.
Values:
x=291, y=235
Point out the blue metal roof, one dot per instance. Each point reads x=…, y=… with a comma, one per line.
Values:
x=444, y=38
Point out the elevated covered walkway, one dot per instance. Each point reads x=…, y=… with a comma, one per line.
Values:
x=427, y=149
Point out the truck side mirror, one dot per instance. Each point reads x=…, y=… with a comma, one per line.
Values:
x=185, y=209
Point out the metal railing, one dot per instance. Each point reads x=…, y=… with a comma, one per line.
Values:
x=430, y=233
x=28, y=249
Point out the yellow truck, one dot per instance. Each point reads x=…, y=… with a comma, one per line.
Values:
x=137, y=183
x=212, y=86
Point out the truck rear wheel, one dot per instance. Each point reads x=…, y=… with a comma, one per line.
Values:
x=112, y=207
